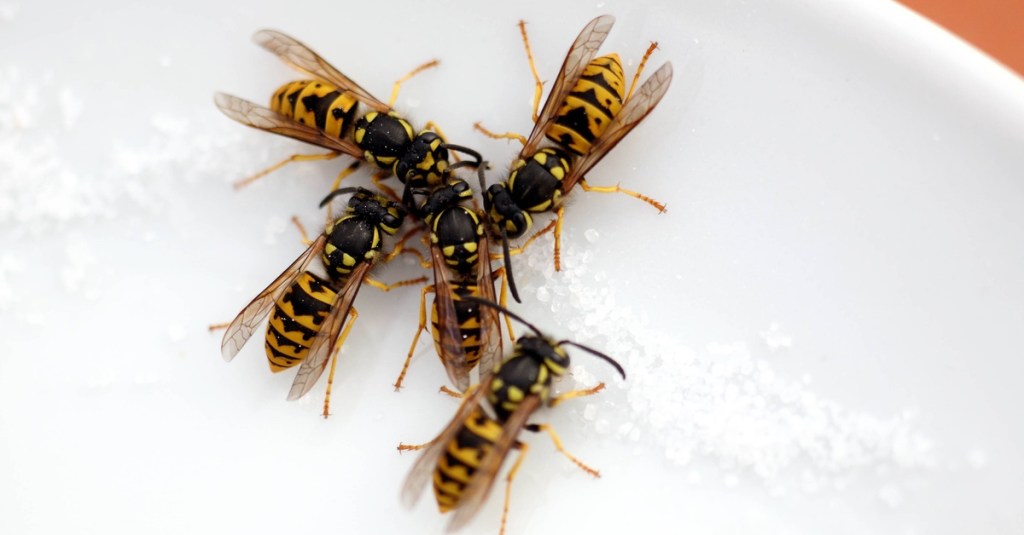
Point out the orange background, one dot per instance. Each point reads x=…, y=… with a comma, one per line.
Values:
x=994, y=26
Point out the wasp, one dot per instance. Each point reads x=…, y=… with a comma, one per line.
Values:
x=464, y=460
x=464, y=333
x=321, y=112
x=586, y=114
x=311, y=311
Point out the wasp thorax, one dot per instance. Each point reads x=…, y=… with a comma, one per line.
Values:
x=444, y=198
x=352, y=240
x=457, y=232
x=536, y=183
x=528, y=372
x=383, y=138
x=424, y=163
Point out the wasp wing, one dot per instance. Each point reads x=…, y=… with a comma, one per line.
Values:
x=324, y=342
x=490, y=321
x=453, y=353
x=582, y=51
x=246, y=322
x=483, y=479
x=300, y=56
x=268, y=120
x=634, y=111
x=422, y=471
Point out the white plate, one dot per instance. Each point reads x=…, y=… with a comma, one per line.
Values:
x=820, y=333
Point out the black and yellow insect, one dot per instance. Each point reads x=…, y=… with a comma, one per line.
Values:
x=464, y=333
x=309, y=311
x=586, y=114
x=321, y=112
x=464, y=460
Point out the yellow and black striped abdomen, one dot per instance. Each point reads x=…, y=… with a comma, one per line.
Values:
x=316, y=104
x=462, y=456
x=592, y=103
x=297, y=317
x=468, y=316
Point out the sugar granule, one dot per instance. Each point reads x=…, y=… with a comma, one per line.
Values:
x=39, y=190
x=720, y=402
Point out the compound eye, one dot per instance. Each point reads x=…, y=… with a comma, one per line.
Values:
x=519, y=219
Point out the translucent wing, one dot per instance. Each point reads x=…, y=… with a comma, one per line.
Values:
x=250, y=318
x=423, y=470
x=490, y=321
x=582, y=51
x=268, y=120
x=324, y=342
x=453, y=353
x=483, y=479
x=633, y=111
x=300, y=56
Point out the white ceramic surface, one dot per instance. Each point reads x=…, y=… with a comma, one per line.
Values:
x=844, y=190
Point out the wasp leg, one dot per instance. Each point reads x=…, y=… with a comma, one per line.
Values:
x=377, y=180
x=415, y=252
x=577, y=394
x=538, y=86
x=538, y=89
x=431, y=125
x=402, y=446
x=239, y=184
x=334, y=358
x=507, y=135
x=449, y=392
x=464, y=396
x=400, y=248
x=618, y=189
x=352, y=167
x=640, y=68
x=560, y=216
x=422, y=327
x=337, y=183
x=561, y=449
x=503, y=299
x=218, y=326
x=388, y=287
x=302, y=230
x=519, y=250
x=398, y=83
x=523, y=448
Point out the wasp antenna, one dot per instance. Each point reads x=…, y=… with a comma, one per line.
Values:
x=483, y=189
x=341, y=191
x=463, y=163
x=508, y=266
x=503, y=310
x=598, y=354
x=409, y=200
x=467, y=151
